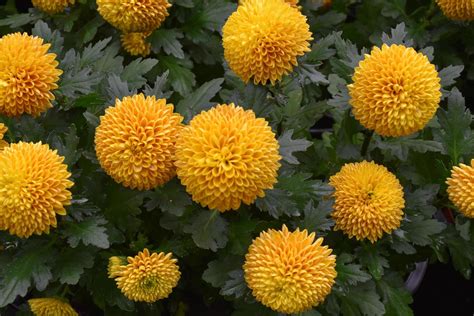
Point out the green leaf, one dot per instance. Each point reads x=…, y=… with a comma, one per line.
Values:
x=158, y=88
x=401, y=146
x=449, y=74
x=398, y=36
x=70, y=265
x=171, y=198
x=277, y=202
x=181, y=78
x=350, y=273
x=241, y=234
x=17, y=20
x=67, y=147
x=29, y=267
x=456, y=134
x=41, y=29
x=208, y=230
x=217, y=272
x=308, y=71
x=419, y=230
x=117, y=89
x=362, y=300
x=288, y=146
x=200, y=99
x=370, y=256
x=421, y=200
x=133, y=73
x=236, y=285
x=168, y=40
x=397, y=299
x=317, y=219
x=89, y=232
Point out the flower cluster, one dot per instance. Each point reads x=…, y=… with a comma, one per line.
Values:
x=3, y=130
x=51, y=306
x=135, y=43
x=52, y=6
x=147, y=277
x=28, y=75
x=263, y=39
x=34, y=188
x=396, y=91
x=290, y=272
x=461, y=188
x=457, y=9
x=226, y=156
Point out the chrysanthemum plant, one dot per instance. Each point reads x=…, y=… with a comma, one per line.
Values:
x=313, y=171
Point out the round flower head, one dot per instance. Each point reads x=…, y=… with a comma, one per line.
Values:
x=115, y=266
x=263, y=39
x=457, y=9
x=461, y=188
x=396, y=91
x=369, y=200
x=33, y=188
x=135, y=141
x=135, y=44
x=289, y=272
x=28, y=74
x=51, y=306
x=134, y=15
x=148, y=278
x=52, y=6
x=3, y=130
x=293, y=3
x=227, y=156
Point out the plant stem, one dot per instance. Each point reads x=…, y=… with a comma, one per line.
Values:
x=365, y=145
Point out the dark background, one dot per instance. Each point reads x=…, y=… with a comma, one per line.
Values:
x=443, y=291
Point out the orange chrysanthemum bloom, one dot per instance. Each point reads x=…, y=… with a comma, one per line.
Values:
x=28, y=74
x=51, y=306
x=3, y=130
x=135, y=44
x=135, y=141
x=263, y=39
x=461, y=188
x=289, y=272
x=33, y=188
x=462, y=10
x=134, y=15
x=369, y=200
x=227, y=156
x=148, y=278
x=396, y=91
x=115, y=266
x=293, y=3
x=52, y=6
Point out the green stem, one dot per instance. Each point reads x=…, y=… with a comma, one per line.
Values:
x=365, y=145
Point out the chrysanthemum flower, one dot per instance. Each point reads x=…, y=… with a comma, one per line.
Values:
x=115, y=265
x=134, y=15
x=263, y=39
x=457, y=9
x=135, y=44
x=28, y=74
x=227, y=156
x=293, y=3
x=3, y=130
x=52, y=6
x=135, y=141
x=396, y=91
x=33, y=188
x=369, y=200
x=51, y=306
x=148, y=278
x=461, y=188
x=289, y=272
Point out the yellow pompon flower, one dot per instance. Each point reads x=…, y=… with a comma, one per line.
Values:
x=263, y=39
x=227, y=156
x=461, y=188
x=290, y=272
x=462, y=10
x=52, y=6
x=115, y=264
x=134, y=15
x=50, y=307
x=135, y=44
x=3, y=130
x=396, y=91
x=135, y=141
x=28, y=74
x=369, y=200
x=293, y=3
x=33, y=188
x=148, y=278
